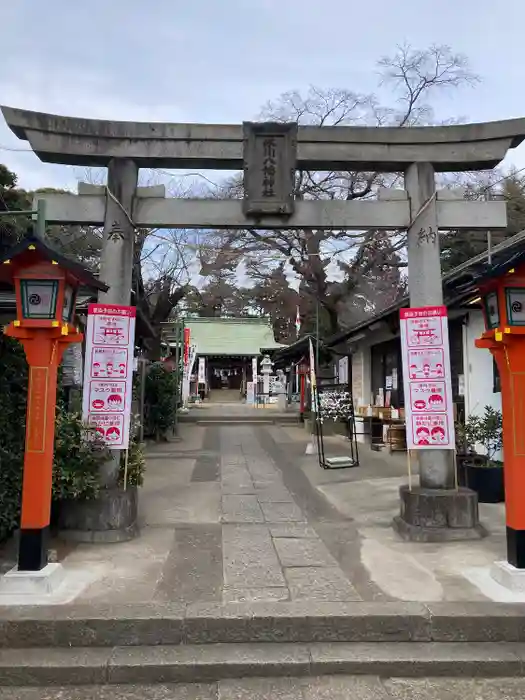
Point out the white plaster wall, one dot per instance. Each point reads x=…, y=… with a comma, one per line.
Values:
x=361, y=375
x=479, y=372
x=479, y=377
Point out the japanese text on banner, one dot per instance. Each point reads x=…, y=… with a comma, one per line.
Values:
x=429, y=407
x=108, y=372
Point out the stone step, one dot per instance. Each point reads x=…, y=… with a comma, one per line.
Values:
x=300, y=621
x=329, y=687
x=213, y=662
x=236, y=421
x=261, y=416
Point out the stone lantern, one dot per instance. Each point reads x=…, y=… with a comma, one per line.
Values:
x=266, y=370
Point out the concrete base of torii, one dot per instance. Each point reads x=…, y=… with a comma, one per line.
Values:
x=438, y=515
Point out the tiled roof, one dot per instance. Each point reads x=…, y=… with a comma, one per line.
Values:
x=230, y=336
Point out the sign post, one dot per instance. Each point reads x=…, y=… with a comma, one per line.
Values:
x=429, y=409
x=108, y=377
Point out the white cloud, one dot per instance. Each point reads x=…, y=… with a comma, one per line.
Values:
x=215, y=61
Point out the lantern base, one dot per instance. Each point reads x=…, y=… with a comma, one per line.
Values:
x=33, y=584
x=516, y=547
x=508, y=576
x=32, y=549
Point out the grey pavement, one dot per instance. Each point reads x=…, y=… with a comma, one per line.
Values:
x=226, y=517
x=238, y=513
x=338, y=687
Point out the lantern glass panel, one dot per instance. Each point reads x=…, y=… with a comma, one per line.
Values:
x=67, y=309
x=39, y=298
x=492, y=310
x=515, y=306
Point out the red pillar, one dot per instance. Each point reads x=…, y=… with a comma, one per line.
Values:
x=44, y=349
x=509, y=353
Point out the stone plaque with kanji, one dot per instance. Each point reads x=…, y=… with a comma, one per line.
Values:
x=270, y=153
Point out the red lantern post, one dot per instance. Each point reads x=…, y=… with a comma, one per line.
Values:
x=45, y=284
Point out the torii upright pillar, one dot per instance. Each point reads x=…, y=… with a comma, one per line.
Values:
x=436, y=510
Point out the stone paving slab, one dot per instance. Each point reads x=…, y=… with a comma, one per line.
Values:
x=292, y=530
x=319, y=583
x=249, y=558
x=323, y=688
x=254, y=595
x=303, y=552
x=338, y=687
x=273, y=494
x=200, y=578
x=455, y=689
x=159, y=691
x=282, y=513
x=241, y=509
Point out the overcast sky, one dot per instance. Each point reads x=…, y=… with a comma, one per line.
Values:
x=221, y=60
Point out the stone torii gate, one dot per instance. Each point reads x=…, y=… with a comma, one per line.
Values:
x=269, y=154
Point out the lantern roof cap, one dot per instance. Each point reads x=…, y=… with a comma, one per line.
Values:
x=50, y=253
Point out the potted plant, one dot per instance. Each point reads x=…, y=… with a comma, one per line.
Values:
x=481, y=471
x=87, y=510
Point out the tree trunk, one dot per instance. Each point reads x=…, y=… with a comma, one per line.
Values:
x=154, y=345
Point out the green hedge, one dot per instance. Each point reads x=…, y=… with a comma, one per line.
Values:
x=160, y=398
x=13, y=396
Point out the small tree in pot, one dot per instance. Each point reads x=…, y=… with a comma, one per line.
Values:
x=482, y=472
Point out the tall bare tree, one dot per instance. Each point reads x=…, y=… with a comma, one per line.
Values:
x=333, y=266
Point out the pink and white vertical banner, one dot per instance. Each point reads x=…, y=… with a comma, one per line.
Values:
x=429, y=407
x=108, y=372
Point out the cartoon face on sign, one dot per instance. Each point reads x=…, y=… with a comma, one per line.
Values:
x=430, y=430
x=426, y=364
x=113, y=434
x=114, y=401
x=422, y=436
x=438, y=434
x=428, y=396
x=435, y=400
x=107, y=395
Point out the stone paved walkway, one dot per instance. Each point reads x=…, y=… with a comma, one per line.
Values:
x=227, y=515
x=269, y=550
x=237, y=513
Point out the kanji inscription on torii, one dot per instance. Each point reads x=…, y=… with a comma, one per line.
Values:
x=270, y=153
